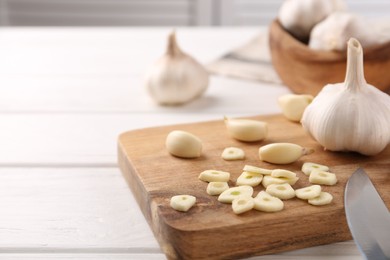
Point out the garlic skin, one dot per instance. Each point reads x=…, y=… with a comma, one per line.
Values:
x=176, y=78
x=299, y=16
x=350, y=116
x=333, y=32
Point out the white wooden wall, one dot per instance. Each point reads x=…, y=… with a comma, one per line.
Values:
x=156, y=12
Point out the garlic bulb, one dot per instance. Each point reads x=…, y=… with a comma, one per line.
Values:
x=299, y=16
x=176, y=78
x=333, y=32
x=350, y=116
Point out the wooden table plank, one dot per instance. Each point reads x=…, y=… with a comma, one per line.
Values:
x=71, y=210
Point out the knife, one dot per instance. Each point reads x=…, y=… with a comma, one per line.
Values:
x=367, y=216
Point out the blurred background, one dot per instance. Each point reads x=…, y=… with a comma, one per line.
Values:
x=157, y=12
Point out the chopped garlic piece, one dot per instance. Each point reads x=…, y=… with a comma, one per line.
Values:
x=182, y=202
x=267, y=203
x=283, y=173
x=282, y=191
x=321, y=177
x=267, y=180
x=242, y=204
x=216, y=187
x=249, y=178
x=254, y=169
x=323, y=199
x=309, y=192
x=307, y=167
x=233, y=153
x=213, y=175
x=232, y=193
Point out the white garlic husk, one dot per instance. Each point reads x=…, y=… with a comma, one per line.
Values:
x=350, y=116
x=333, y=32
x=300, y=16
x=176, y=78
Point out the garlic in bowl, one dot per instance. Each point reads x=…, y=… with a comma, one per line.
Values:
x=306, y=71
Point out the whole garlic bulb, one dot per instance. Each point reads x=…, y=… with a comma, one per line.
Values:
x=350, y=116
x=176, y=78
x=299, y=16
x=333, y=32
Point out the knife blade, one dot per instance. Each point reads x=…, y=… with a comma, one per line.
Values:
x=367, y=216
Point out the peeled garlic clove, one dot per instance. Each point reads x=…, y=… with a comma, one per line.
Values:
x=246, y=130
x=350, y=116
x=183, y=144
x=299, y=16
x=333, y=32
x=176, y=78
x=294, y=105
x=282, y=153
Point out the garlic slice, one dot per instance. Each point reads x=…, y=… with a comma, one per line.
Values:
x=309, y=192
x=267, y=203
x=214, y=176
x=254, y=169
x=282, y=191
x=182, y=202
x=232, y=154
x=216, y=187
x=232, y=193
x=322, y=177
x=246, y=130
x=249, y=178
x=323, y=199
x=350, y=116
x=308, y=167
x=242, y=204
x=176, y=78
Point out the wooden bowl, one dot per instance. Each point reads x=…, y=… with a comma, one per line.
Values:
x=306, y=71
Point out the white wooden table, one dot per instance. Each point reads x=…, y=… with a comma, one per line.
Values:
x=65, y=96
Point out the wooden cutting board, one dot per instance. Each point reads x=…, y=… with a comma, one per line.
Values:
x=210, y=230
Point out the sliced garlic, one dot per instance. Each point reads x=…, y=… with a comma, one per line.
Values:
x=182, y=202
x=293, y=105
x=322, y=177
x=183, y=144
x=350, y=116
x=309, y=192
x=233, y=153
x=282, y=191
x=268, y=180
x=214, y=176
x=242, y=204
x=323, y=199
x=282, y=153
x=283, y=173
x=267, y=203
x=232, y=193
x=307, y=167
x=249, y=178
x=216, y=187
x=246, y=130
x=176, y=78
x=254, y=169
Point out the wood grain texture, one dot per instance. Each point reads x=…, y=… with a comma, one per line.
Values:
x=307, y=71
x=210, y=230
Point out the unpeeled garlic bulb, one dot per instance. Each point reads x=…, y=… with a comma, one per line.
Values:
x=299, y=16
x=333, y=32
x=350, y=116
x=176, y=78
